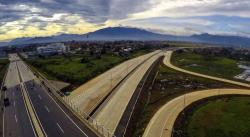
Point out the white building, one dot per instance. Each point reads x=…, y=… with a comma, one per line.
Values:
x=54, y=48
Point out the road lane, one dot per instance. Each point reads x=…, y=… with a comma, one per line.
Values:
x=9, y=117
x=88, y=96
x=51, y=116
x=22, y=115
x=162, y=123
x=111, y=113
x=16, y=121
x=12, y=78
x=55, y=122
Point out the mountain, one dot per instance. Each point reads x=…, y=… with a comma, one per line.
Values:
x=32, y=40
x=222, y=40
x=127, y=33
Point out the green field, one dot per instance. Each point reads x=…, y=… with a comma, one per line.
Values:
x=71, y=69
x=214, y=66
x=168, y=85
x=227, y=117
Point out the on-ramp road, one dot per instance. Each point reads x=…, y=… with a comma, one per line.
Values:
x=161, y=124
x=167, y=62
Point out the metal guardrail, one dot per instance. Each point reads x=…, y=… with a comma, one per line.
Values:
x=84, y=117
x=99, y=129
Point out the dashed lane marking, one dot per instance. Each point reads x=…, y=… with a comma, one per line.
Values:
x=60, y=127
x=16, y=118
x=46, y=108
x=39, y=97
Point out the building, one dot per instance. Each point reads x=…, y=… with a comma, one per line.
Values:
x=53, y=49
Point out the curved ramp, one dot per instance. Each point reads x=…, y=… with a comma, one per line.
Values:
x=163, y=121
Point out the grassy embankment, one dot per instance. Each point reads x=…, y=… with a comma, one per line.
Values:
x=215, y=118
x=70, y=68
x=215, y=66
x=3, y=68
x=226, y=117
x=169, y=84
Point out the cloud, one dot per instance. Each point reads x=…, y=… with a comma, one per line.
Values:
x=182, y=17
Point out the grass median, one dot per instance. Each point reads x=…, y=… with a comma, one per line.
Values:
x=167, y=85
x=3, y=70
x=222, y=67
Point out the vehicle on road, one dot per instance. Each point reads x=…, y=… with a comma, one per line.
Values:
x=6, y=102
x=4, y=88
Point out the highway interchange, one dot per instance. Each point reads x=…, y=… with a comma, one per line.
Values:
x=161, y=125
x=34, y=112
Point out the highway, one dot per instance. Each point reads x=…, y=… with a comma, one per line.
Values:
x=16, y=120
x=161, y=124
x=112, y=112
x=54, y=121
x=88, y=96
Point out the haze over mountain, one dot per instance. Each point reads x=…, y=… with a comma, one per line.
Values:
x=127, y=33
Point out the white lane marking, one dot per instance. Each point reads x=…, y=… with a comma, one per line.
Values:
x=46, y=93
x=3, y=121
x=60, y=127
x=46, y=108
x=25, y=88
x=16, y=118
x=64, y=112
x=39, y=97
x=14, y=103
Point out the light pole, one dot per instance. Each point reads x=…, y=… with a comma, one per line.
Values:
x=127, y=67
x=111, y=77
x=184, y=103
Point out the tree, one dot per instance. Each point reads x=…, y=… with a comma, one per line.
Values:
x=85, y=60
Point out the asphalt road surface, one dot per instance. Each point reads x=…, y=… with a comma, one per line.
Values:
x=55, y=121
x=16, y=121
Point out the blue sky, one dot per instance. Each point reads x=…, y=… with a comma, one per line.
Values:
x=28, y=18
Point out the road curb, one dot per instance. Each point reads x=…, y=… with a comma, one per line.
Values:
x=35, y=121
x=61, y=100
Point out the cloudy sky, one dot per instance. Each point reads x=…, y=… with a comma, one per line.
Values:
x=25, y=18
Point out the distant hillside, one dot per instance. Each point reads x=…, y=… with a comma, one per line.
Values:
x=223, y=40
x=127, y=33
x=122, y=33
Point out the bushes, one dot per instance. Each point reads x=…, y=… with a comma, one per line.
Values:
x=85, y=60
